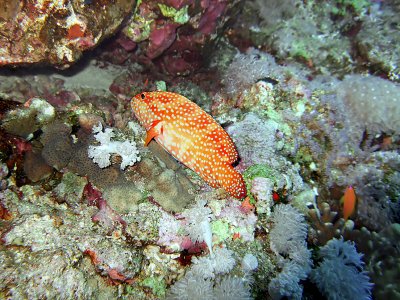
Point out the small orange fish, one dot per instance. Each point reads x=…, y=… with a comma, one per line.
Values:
x=236, y=236
x=349, y=202
x=192, y=136
x=246, y=206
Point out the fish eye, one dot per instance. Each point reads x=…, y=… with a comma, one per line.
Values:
x=142, y=96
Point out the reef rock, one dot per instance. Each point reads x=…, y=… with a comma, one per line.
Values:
x=56, y=32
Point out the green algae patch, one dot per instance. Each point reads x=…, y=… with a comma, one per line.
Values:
x=179, y=16
x=221, y=230
x=156, y=284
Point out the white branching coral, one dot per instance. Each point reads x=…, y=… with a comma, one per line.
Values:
x=101, y=154
x=286, y=283
x=196, y=288
x=203, y=267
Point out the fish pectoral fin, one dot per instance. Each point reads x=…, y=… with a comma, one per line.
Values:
x=155, y=130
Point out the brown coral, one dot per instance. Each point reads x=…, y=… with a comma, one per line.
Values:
x=324, y=224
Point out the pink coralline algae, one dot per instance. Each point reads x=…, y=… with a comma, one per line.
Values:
x=208, y=21
x=178, y=33
x=161, y=38
x=55, y=31
x=106, y=215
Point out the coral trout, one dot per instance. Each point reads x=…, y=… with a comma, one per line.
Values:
x=192, y=136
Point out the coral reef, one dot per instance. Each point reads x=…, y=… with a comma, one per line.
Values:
x=333, y=38
x=377, y=41
x=307, y=91
x=44, y=231
x=296, y=34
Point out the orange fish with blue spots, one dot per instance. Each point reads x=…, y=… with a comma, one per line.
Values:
x=192, y=136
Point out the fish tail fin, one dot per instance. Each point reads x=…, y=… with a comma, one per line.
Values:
x=232, y=181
